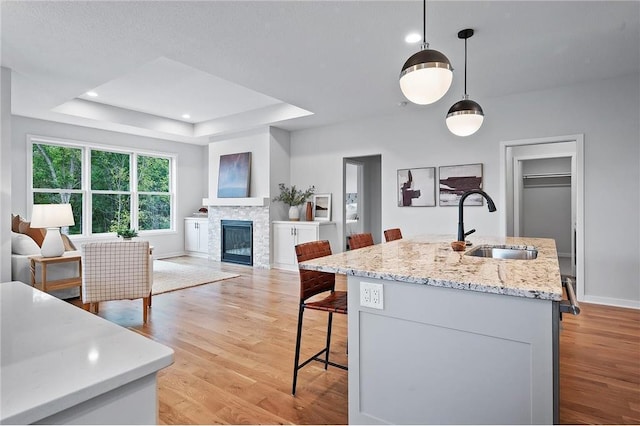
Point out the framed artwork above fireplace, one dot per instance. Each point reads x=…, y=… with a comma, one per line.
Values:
x=234, y=175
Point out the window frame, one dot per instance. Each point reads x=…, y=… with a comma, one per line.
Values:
x=86, y=191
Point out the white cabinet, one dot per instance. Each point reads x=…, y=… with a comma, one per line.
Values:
x=196, y=235
x=286, y=235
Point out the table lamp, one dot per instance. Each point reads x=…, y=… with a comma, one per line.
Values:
x=52, y=217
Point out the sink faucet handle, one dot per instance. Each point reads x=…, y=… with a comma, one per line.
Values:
x=469, y=232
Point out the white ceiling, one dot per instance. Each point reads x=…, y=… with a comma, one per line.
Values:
x=235, y=65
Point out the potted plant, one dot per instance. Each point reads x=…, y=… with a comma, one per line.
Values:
x=294, y=197
x=126, y=233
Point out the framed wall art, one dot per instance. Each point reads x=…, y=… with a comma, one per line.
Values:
x=322, y=207
x=417, y=187
x=456, y=180
x=234, y=175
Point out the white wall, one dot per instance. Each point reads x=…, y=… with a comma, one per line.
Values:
x=606, y=112
x=256, y=142
x=5, y=174
x=191, y=170
x=280, y=146
x=269, y=147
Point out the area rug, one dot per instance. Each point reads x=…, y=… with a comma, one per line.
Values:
x=170, y=276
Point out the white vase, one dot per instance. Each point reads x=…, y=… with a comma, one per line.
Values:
x=294, y=213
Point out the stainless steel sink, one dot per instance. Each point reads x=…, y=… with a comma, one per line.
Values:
x=504, y=252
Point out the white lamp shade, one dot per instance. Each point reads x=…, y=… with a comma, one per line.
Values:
x=51, y=216
x=464, y=124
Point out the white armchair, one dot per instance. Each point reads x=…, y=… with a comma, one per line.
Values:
x=116, y=270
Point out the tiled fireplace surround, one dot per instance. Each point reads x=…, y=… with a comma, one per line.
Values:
x=261, y=230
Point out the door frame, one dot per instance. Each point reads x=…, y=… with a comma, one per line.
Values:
x=369, y=194
x=508, y=192
x=359, y=188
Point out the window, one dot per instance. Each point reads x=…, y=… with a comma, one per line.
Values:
x=57, y=178
x=107, y=189
x=110, y=191
x=154, y=197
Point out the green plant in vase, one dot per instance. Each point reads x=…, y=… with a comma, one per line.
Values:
x=127, y=233
x=294, y=197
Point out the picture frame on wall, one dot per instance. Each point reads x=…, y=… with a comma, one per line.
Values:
x=417, y=187
x=322, y=207
x=234, y=175
x=456, y=180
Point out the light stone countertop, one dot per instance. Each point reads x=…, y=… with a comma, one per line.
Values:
x=429, y=260
x=55, y=355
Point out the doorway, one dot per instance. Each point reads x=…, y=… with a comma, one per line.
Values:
x=542, y=193
x=362, y=201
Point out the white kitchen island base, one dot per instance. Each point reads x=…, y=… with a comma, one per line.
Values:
x=438, y=355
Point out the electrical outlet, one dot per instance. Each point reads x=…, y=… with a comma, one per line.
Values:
x=371, y=295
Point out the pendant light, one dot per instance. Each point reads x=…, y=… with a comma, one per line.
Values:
x=426, y=76
x=466, y=116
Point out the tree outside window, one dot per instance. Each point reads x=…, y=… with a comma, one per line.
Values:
x=57, y=179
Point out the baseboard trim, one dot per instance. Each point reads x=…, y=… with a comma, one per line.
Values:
x=610, y=301
x=196, y=254
x=168, y=255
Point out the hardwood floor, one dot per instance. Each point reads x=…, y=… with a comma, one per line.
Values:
x=600, y=366
x=234, y=342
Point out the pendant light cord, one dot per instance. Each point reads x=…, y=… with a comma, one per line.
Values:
x=465, y=68
x=424, y=22
x=425, y=45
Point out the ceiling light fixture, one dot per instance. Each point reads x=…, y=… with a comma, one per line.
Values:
x=426, y=76
x=412, y=38
x=186, y=116
x=465, y=117
x=92, y=94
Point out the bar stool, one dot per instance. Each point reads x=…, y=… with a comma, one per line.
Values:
x=392, y=234
x=357, y=241
x=311, y=284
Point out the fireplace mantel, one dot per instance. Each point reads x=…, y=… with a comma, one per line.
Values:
x=249, y=201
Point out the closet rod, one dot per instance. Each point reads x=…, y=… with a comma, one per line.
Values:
x=548, y=185
x=545, y=175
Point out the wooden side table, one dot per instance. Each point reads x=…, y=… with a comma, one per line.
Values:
x=50, y=285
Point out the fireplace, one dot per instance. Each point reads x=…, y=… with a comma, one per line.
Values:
x=237, y=241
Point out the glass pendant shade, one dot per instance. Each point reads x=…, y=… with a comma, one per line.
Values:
x=425, y=77
x=465, y=117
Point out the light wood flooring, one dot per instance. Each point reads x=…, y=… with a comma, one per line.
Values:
x=234, y=342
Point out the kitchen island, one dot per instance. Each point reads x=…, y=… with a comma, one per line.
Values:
x=61, y=364
x=458, y=339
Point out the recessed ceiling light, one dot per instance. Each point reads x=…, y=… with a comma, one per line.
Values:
x=413, y=38
x=186, y=116
x=92, y=94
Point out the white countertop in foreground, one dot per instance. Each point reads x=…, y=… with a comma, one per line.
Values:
x=55, y=355
x=430, y=260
